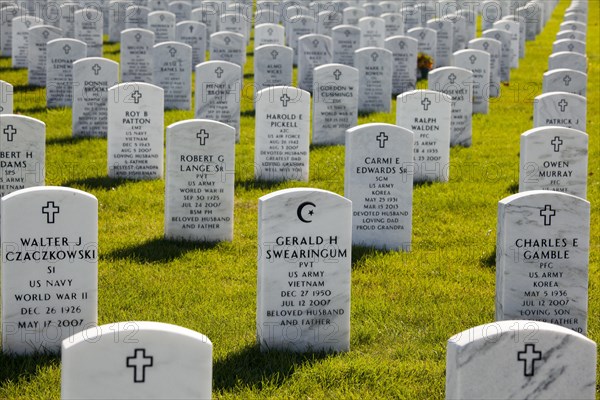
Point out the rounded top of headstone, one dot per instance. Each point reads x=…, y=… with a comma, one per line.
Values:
x=531, y=194
x=295, y=192
x=49, y=190
x=420, y=93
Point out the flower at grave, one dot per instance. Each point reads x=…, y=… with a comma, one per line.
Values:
x=424, y=61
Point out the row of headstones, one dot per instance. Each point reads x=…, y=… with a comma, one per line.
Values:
x=303, y=291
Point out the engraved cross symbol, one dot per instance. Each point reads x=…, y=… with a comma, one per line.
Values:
x=372, y=24
x=382, y=138
x=45, y=34
x=227, y=40
x=10, y=132
x=315, y=43
x=393, y=19
x=50, y=210
x=162, y=18
x=426, y=103
x=28, y=23
x=452, y=78
x=374, y=57
x=571, y=46
x=507, y=27
x=422, y=35
x=473, y=58
x=96, y=68
x=402, y=45
x=567, y=79
x=347, y=32
x=486, y=45
x=337, y=73
x=547, y=213
x=270, y=31
x=529, y=356
x=136, y=96
x=139, y=362
x=285, y=99
x=172, y=51
x=219, y=71
x=497, y=36
x=563, y=105
x=556, y=142
x=274, y=54
x=191, y=28
x=137, y=37
x=88, y=15
x=202, y=135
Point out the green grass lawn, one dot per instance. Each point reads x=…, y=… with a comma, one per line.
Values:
x=404, y=305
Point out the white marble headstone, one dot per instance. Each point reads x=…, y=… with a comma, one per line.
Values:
x=181, y=9
x=162, y=23
x=49, y=267
x=542, y=255
x=60, y=55
x=193, y=34
x=478, y=62
x=23, y=154
x=67, y=19
x=456, y=82
x=281, y=150
x=565, y=80
x=328, y=19
x=137, y=17
x=379, y=182
x=375, y=69
x=200, y=181
x=427, y=42
x=297, y=27
x=92, y=77
x=335, y=103
x=575, y=26
x=269, y=33
x=554, y=158
x=372, y=32
x=569, y=60
x=173, y=73
x=571, y=35
x=20, y=39
x=427, y=114
x=117, y=15
x=88, y=29
x=351, y=15
x=228, y=46
x=520, y=360
x=313, y=50
x=569, y=45
x=394, y=24
x=304, y=267
x=39, y=36
x=273, y=66
x=560, y=109
x=150, y=360
x=404, y=59
x=491, y=11
x=9, y=12
x=135, y=131
x=137, y=60
x=504, y=38
x=494, y=48
x=218, y=93
x=460, y=34
x=512, y=28
x=445, y=40
x=6, y=98
x=346, y=40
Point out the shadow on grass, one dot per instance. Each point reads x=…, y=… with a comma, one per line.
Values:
x=251, y=184
x=248, y=76
x=362, y=253
x=159, y=250
x=28, y=110
x=24, y=368
x=70, y=139
x=252, y=368
x=248, y=113
x=513, y=188
x=27, y=88
x=98, y=182
x=424, y=184
x=488, y=261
